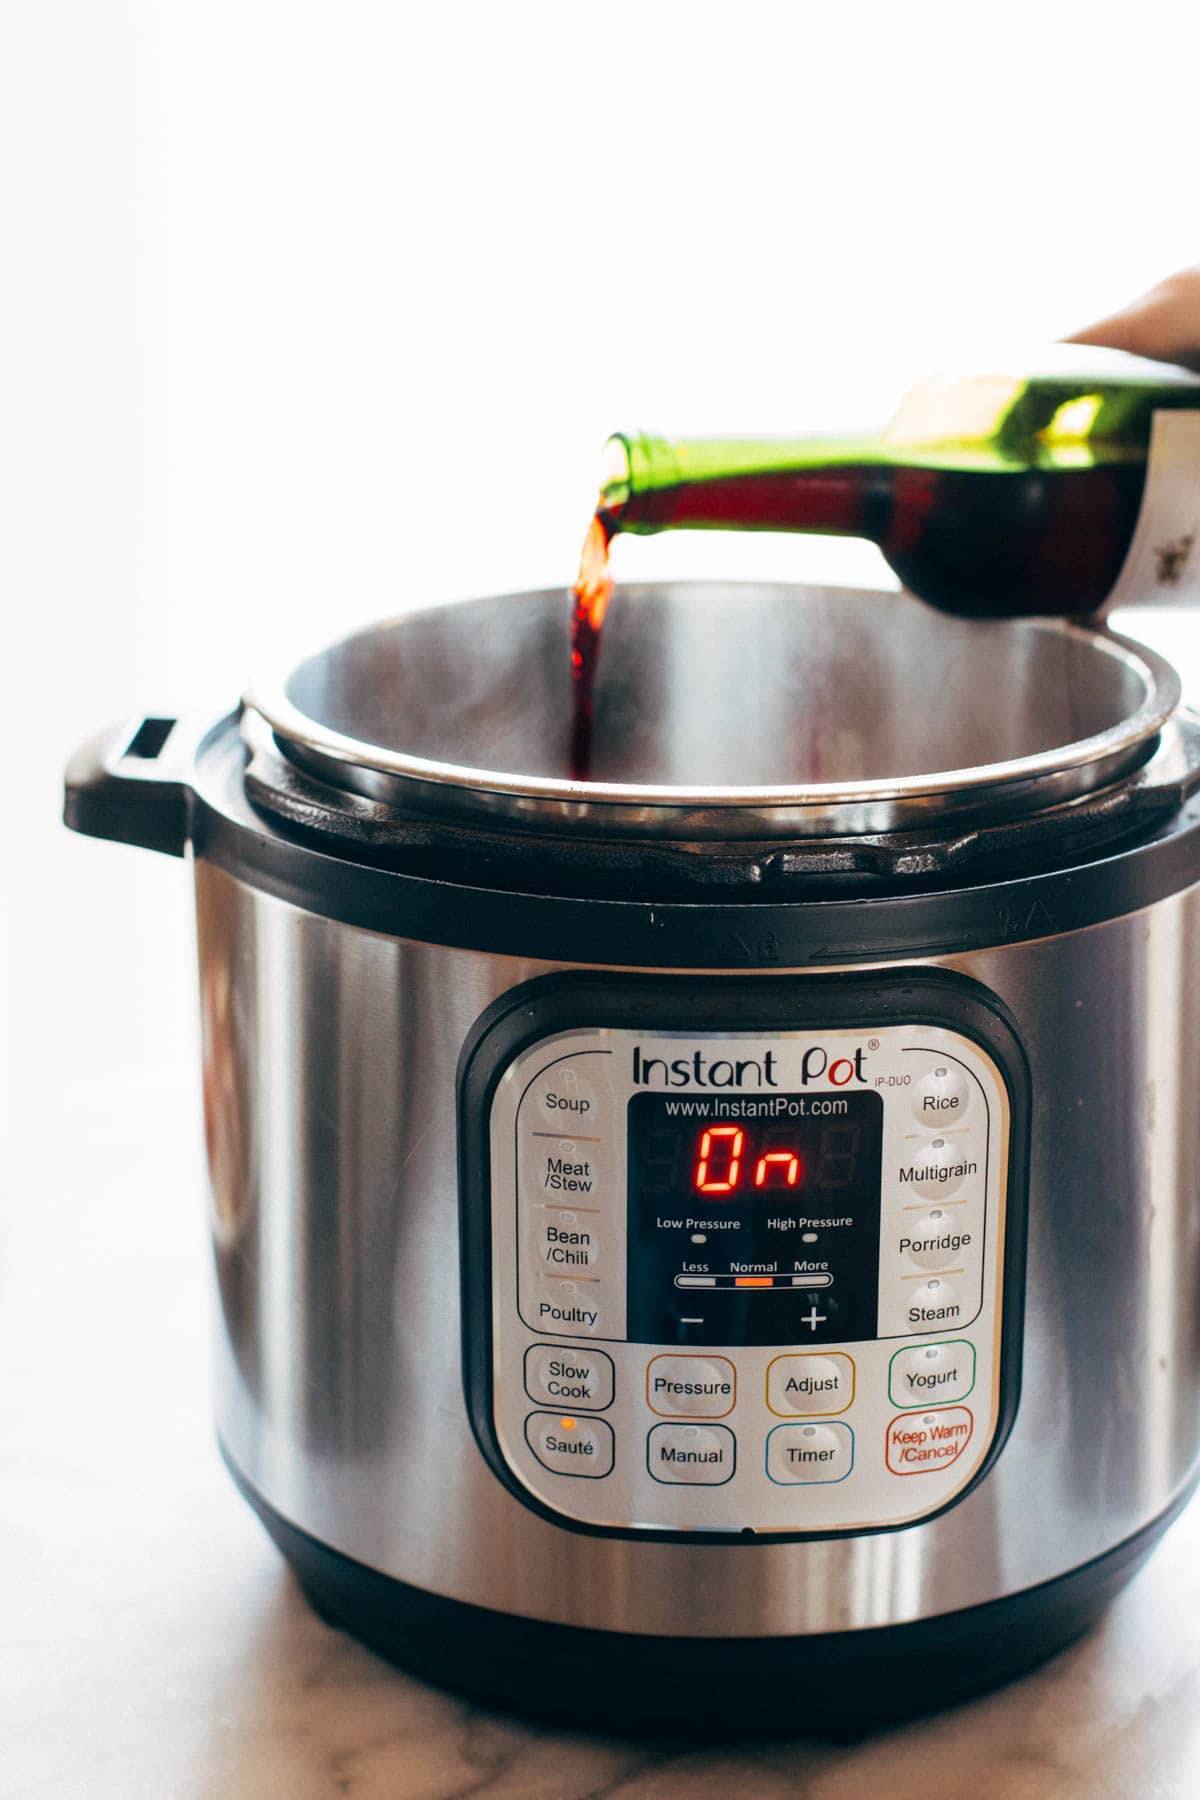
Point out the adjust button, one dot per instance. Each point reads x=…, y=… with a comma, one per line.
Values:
x=698, y=1386
x=695, y=1455
x=569, y=1444
x=808, y=1453
x=942, y=1097
x=929, y=1374
x=569, y=1376
x=810, y=1383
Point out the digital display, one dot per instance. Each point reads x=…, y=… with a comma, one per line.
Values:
x=754, y=1220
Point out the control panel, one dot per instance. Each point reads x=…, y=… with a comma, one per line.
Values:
x=746, y=1281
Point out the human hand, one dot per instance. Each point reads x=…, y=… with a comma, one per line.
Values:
x=1163, y=324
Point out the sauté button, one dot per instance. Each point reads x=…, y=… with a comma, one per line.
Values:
x=569, y=1444
x=942, y=1096
x=937, y=1239
x=697, y=1386
x=934, y=1302
x=808, y=1453
x=569, y=1377
x=923, y=1443
x=932, y=1373
x=810, y=1383
x=693, y=1455
x=937, y=1168
x=568, y=1096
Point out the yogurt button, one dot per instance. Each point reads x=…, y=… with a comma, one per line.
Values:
x=942, y=1096
x=932, y=1374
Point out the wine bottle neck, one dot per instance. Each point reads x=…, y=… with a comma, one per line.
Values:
x=817, y=484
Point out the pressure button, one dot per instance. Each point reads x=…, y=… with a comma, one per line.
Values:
x=569, y=1444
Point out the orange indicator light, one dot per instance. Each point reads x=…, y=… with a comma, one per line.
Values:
x=753, y=1281
x=567, y=1424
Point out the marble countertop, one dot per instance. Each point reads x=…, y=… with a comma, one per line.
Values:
x=153, y=1646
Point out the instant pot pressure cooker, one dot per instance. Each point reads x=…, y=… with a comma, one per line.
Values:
x=718, y=1243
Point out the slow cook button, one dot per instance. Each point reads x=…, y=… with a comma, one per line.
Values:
x=569, y=1444
x=932, y=1373
x=563, y=1241
x=934, y=1302
x=938, y=1168
x=698, y=1386
x=942, y=1096
x=697, y=1455
x=568, y=1096
x=808, y=1453
x=810, y=1383
x=923, y=1443
x=569, y=1377
x=574, y=1308
x=937, y=1240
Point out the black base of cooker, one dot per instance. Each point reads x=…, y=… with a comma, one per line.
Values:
x=837, y=1685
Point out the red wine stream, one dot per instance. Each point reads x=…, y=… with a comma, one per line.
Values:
x=589, y=603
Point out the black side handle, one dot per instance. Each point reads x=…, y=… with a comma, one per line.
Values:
x=132, y=783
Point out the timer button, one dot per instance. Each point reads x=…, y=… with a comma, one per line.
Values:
x=934, y=1302
x=937, y=1169
x=936, y=1240
x=810, y=1383
x=699, y=1386
x=568, y=1096
x=931, y=1374
x=557, y=1376
x=808, y=1453
x=942, y=1097
x=691, y=1455
x=569, y=1444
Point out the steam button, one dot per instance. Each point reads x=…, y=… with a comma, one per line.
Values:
x=942, y=1097
x=933, y=1303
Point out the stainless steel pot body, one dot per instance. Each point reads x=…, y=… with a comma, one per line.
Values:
x=330, y=1056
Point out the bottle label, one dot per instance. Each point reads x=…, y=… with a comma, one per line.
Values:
x=1162, y=565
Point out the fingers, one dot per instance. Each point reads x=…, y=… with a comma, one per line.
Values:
x=1163, y=324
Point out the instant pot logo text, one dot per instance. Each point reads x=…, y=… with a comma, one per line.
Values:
x=699, y=1070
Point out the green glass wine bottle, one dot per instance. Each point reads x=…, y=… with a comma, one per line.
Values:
x=1059, y=487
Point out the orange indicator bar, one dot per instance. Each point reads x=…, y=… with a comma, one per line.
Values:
x=754, y=1281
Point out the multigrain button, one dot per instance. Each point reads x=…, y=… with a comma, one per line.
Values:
x=923, y=1443
x=941, y=1097
x=695, y=1386
x=932, y=1373
x=806, y=1384
x=569, y=1444
x=937, y=1169
x=569, y=1377
x=937, y=1239
x=809, y=1453
x=691, y=1455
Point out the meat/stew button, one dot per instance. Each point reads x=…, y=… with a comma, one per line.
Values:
x=921, y=1443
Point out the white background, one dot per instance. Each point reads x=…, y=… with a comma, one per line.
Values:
x=314, y=309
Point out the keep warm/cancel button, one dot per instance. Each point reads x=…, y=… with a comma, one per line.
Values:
x=920, y=1443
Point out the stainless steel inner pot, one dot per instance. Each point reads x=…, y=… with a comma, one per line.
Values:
x=724, y=711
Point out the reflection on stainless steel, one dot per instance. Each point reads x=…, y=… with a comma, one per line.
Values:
x=340, y=1381
x=725, y=711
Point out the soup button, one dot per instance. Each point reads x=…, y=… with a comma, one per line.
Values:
x=569, y=1444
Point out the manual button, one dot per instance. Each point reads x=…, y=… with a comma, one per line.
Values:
x=569, y=1377
x=692, y=1455
x=569, y=1444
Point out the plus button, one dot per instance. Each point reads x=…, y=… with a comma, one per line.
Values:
x=812, y=1318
